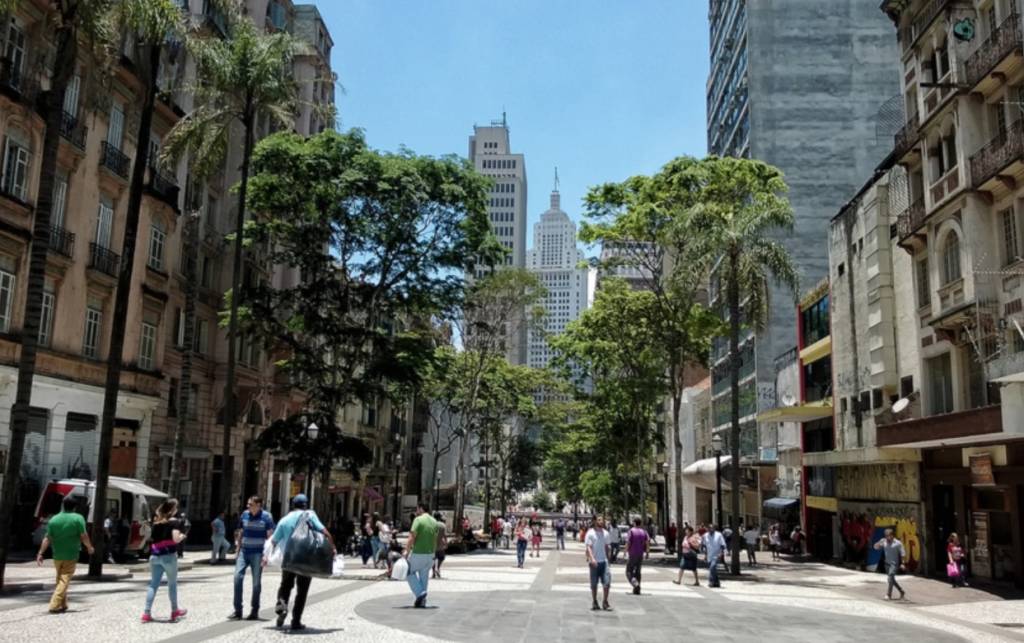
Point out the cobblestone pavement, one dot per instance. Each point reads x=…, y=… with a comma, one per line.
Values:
x=484, y=596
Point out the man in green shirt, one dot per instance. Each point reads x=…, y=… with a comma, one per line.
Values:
x=419, y=551
x=66, y=531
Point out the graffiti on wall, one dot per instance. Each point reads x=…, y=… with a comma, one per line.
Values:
x=888, y=482
x=862, y=525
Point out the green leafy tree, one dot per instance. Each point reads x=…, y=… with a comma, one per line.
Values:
x=151, y=24
x=242, y=76
x=614, y=347
x=70, y=21
x=647, y=219
x=378, y=241
x=740, y=208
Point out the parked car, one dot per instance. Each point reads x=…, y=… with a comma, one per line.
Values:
x=132, y=500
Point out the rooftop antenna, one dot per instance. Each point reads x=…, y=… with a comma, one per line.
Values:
x=556, y=178
x=504, y=120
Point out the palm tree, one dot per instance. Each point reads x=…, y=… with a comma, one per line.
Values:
x=740, y=207
x=245, y=75
x=151, y=23
x=71, y=20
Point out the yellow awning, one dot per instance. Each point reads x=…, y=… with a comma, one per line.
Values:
x=817, y=350
x=800, y=413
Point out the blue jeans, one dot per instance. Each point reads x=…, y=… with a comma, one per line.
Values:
x=560, y=541
x=375, y=548
x=158, y=566
x=419, y=566
x=253, y=562
x=521, y=552
x=220, y=548
x=713, y=570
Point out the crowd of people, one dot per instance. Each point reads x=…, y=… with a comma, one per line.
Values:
x=420, y=558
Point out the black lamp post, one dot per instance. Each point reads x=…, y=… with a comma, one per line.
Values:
x=665, y=467
x=312, y=430
x=716, y=446
x=437, y=489
x=398, y=465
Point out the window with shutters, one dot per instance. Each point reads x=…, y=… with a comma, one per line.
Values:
x=71, y=96
x=924, y=288
x=14, y=52
x=157, y=240
x=115, y=130
x=93, y=322
x=60, y=200
x=46, y=320
x=200, y=336
x=951, y=259
x=1008, y=222
x=104, y=223
x=7, y=282
x=17, y=157
x=147, y=346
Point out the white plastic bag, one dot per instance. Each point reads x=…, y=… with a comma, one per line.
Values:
x=273, y=555
x=339, y=566
x=400, y=570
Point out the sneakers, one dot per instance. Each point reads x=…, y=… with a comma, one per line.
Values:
x=235, y=616
x=176, y=614
x=146, y=618
x=902, y=594
x=253, y=616
x=606, y=607
x=297, y=626
x=887, y=597
x=595, y=607
x=421, y=601
x=281, y=609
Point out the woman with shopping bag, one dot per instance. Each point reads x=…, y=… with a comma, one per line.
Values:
x=308, y=550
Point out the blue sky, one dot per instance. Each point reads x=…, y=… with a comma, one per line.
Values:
x=603, y=89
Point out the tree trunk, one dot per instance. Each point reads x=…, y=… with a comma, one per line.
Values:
x=121, y=297
x=487, y=485
x=677, y=440
x=641, y=475
x=460, y=480
x=185, y=396
x=51, y=108
x=230, y=399
x=734, y=387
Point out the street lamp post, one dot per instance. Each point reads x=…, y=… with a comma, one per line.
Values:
x=398, y=464
x=665, y=467
x=437, y=489
x=716, y=446
x=312, y=430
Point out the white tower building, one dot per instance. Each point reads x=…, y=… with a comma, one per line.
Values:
x=557, y=262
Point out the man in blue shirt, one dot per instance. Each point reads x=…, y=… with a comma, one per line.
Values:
x=714, y=545
x=300, y=507
x=254, y=527
x=220, y=543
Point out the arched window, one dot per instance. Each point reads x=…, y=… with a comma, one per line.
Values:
x=951, y=259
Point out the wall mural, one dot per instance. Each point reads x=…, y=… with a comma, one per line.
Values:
x=862, y=525
x=886, y=482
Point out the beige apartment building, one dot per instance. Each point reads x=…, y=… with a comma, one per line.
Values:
x=98, y=136
x=934, y=366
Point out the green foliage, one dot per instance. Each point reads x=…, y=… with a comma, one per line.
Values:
x=541, y=501
x=377, y=241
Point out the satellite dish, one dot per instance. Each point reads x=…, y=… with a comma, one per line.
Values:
x=788, y=399
x=900, y=405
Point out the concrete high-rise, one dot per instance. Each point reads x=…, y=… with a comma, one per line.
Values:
x=798, y=84
x=555, y=260
x=491, y=155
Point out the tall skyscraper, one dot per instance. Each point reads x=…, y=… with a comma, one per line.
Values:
x=797, y=84
x=555, y=260
x=491, y=155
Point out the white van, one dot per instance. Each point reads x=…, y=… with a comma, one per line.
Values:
x=133, y=500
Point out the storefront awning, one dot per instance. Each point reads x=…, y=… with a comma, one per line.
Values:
x=800, y=413
x=781, y=503
x=372, y=494
x=702, y=473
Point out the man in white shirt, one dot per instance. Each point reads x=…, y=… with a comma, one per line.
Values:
x=506, y=533
x=614, y=542
x=751, y=536
x=714, y=545
x=597, y=557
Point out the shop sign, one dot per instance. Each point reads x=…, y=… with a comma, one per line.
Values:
x=981, y=470
x=891, y=482
x=979, y=543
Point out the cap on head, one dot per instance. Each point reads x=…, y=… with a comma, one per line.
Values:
x=300, y=501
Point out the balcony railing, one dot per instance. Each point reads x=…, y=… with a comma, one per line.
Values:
x=114, y=160
x=908, y=221
x=946, y=185
x=163, y=188
x=62, y=242
x=1004, y=40
x=103, y=260
x=928, y=14
x=908, y=135
x=72, y=130
x=997, y=154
